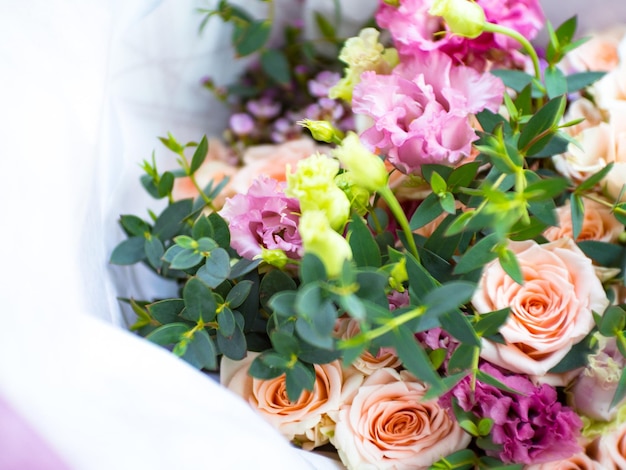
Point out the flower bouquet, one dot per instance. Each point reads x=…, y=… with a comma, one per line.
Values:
x=412, y=250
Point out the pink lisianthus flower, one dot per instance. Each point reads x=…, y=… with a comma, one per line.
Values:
x=421, y=111
x=263, y=218
x=531, y=428
x=413, y=29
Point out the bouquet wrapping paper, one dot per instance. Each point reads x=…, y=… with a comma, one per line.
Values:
x=87, y=87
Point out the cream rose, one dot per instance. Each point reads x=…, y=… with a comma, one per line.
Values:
x=599, y=223
x=599, y=53
x=304, y=421
x=388, y=425
x=610, y=449
x=367, y=363
x=579, y=461
x=550, y=312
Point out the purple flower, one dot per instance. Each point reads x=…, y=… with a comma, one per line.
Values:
x=421, y=111
x=263, y=218
x=241, y=123
x=533, y=427
x=414, y=30
x=264, y=108
x=323, y=82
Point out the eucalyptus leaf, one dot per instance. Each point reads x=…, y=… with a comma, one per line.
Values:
x=226, y=322
x=134, y=226
x=168, y=334
x=130, y=251
x=170, y=221
x=275, y=64
x=200, y=304
x=154, y=251
x=201, y=351
x=166, y=311
x=238, y=293
x=199, y=155
x=299, y=378
x=365, y=251
x=234, y=346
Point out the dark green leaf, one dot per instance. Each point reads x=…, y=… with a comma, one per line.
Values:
x=216, y=269
x=238, y=293
x=490, y=323
x=242, y=267
x=479, y=255
x=489, y=380
x=166, y=183
x=234, y=346
x=462, y=358
x=365, y=251
x=509, y=263
x=276, y=66
x=275, y=282
x=311, y=269
x=130, y=251
x=202, y=228
x=577, y=208
x=457, y=324
x=201, y=351
x=134, y=225
x=166, y=311
x=594, y=179
x=577, y=81
x=154, y=251
x=613, y=320
x=284, y=343
x=427, y=211
x=555, y=82
x=226, y=322
x=576, y=357
x=168, y=334
x=448, y=297
x=199, y=155
x=170, y=221
x=199, y=301
x=325, y=27
x=620, y=392
x=543, y=121
x=300, y=377
x=414, y=358
x=186, y=259
x=283, y=303
x=514, y=79
x=261, y=370
x=221, y=233
x=251, y=37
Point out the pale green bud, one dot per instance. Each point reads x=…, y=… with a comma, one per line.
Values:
x=322, y=131
x=464, y=17
x=320, y=239
x=358, y=196
x=274, y=257
x=366, y=168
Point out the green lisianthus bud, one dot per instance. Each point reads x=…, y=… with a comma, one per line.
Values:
x=320, y=239
x=464, y=17
x=274, y=257
x=367, y=169
x=322, y=131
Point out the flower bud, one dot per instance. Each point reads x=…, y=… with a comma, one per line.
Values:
x=464, y=17
x=322, y=131
x=367, y=169
x=320, y=239
x=274, y=257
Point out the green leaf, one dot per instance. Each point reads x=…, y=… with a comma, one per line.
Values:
x=283, y=303
x=457, y=324
x=576, y=357
x=420, y=280
x=489, y=380
x=238, y=293
x=216, y=269
x=200, y=304
x=171, y=221
x=226, y=322
x=428, y=210
x=577, y=81
x=300, y=377
x=546, y=119
x=201, y=351
x=448, y=203
x=186, y=242
x=594, y=179
x=489, y=323
x=448, y=297
x=285, y=344
x=325, y=27
x=275, y=64
x=202, y=228
x=555, y=82
x=311, y=269
x=275, y=282
x=154, y=251
x=221, y=233
x=463, y=176
x=260, y=369
x=462, y=358
x=166, y=183
x=251, y=37
x=243, y=267
x=509, y=263
x=168, y=334
x=545, y=189
x=479, y=255
x=577, y=207
x=199, y=155
x=613, y=320
x=130, y=251
x=186, y=259
x=514, y=79
x=619, y=211
x=234, y=346
x=166, y=311
x=365, y=251
x=602, y=253
x=134, y=225
x=620, y=392
x=414, y=358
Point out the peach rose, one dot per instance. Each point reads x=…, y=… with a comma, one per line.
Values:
x=304, y=421
x=272, y=160
x=550, y=312
x=599, y=223
x=580, y=461
x=610, y=449
x=217, y=166
x=367, y=363
x=388, y=425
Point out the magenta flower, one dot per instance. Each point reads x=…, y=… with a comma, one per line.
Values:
x=421, y=111
x=530, y=428
x=414, y=30
x=263, y=218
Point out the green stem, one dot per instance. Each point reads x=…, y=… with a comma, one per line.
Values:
x=392, y=202
x=525, y=43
